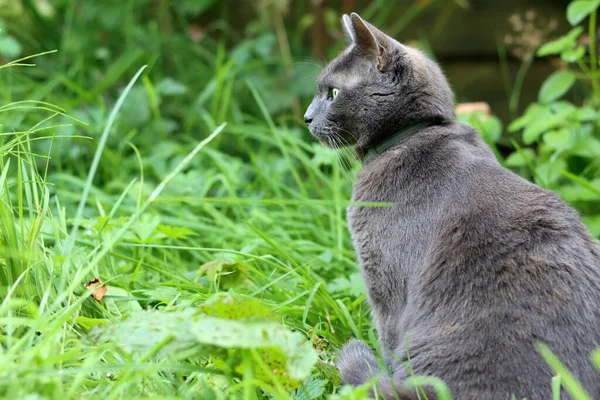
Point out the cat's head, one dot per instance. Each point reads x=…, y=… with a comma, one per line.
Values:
x=374, y=88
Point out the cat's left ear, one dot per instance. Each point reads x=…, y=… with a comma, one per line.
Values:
x=374, y=43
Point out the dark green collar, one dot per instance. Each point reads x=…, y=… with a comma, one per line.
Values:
x=395, y=138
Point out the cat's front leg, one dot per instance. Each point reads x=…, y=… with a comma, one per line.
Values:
x=358, y=365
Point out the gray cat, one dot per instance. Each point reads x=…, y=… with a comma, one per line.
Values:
x=472, y=265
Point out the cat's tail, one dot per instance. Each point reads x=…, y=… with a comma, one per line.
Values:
x=358, y=365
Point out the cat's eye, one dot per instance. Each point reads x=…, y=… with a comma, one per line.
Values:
x=333, y=93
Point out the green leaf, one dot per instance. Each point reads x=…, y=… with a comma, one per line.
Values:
x=532, y=113
x=556, y=85
x=579, y=9
x=563, y=43
x=311, y=389
x=593, y=222
x=136, y=108
x=175, y=232
x=176, y=332
x=145, y=227
x=580, y=190
x=586, y=147
x=89, y=323
x=9, y=47
x=225, y=274
x=592, y=186
x=572, y=55
x=119, y=302
x=546, y=121
x=550, y=172
x=489, y=127
x=555, y=47
x=170, y=87
x=227, y=306
x=558, y=139
x=520, y=159
x=195, y=7
x=586, y=114
x=354, y=285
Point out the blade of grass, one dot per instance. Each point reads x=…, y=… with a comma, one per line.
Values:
x=568, y=380
x=96, y=160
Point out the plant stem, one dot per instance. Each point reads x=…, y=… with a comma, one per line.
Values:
x=504, y=68
x=593, y=55
x=516, y=92
x=583, y=67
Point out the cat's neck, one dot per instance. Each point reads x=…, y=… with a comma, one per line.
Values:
x=371, y=149
x=384, y=145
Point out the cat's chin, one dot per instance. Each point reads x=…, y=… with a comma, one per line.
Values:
x=323, y=141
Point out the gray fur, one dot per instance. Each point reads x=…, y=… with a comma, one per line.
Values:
x=473, y=265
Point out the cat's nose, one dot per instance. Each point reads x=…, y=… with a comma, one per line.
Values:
x=308, y=120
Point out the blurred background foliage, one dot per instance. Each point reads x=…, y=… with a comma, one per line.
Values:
x=202, y=54
x=259, y=213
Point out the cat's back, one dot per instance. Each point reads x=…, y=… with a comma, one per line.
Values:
x=503, y=264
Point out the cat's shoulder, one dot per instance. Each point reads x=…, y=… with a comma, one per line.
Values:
x=457, y=132
x=460, y=142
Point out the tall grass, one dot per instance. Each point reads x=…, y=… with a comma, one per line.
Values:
x=228, y=276
x=265, y=224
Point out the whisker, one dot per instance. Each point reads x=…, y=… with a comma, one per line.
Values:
x=342, y=146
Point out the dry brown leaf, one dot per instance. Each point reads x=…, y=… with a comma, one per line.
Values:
x=97, y=288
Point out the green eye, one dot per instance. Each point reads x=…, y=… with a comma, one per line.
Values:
x=334, y=92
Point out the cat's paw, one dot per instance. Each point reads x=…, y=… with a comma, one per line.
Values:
x=357, y=363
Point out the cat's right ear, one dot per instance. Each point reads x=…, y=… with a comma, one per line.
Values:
x=372, y=42
x=348, y=29
x=363, y=37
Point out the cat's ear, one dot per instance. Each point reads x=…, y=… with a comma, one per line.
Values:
x=374, y=43
x=348, y=28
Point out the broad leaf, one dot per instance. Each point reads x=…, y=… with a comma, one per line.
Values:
x=563, y=43
x=579, y=9
x=559, y=139
x=491, y=129
x=550, y=172
x=593, y=222
x=556, y=85
x=545, y=122
x=585, y=114
x=572, y=55
x=520, y=158
x=586, y=147
x=9, y=47
x=170, y=87
x=223, y=323
x=580, y=190
x=532, y=113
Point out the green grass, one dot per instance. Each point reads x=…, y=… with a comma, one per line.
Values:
x=265, y=225
x=228, y=275
x=215, y=221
